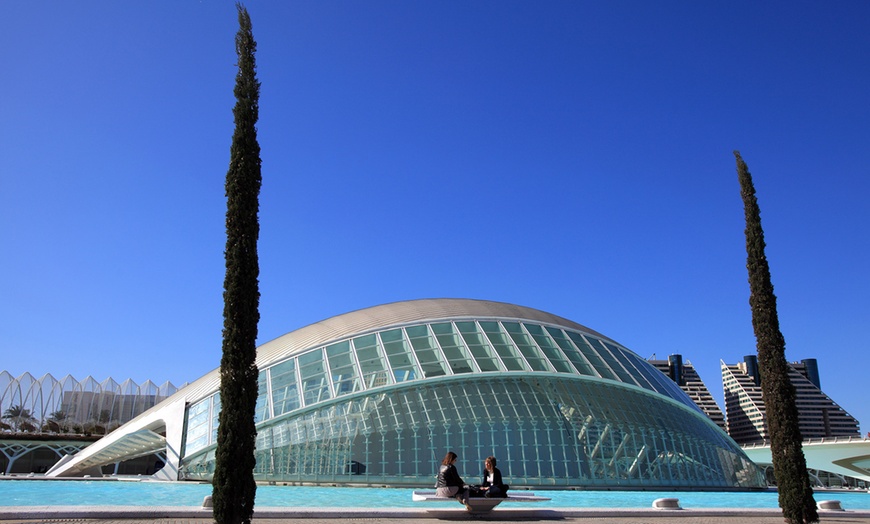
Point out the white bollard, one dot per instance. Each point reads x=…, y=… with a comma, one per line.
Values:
x=830, y=505
x=666, y=504
x=207, y=503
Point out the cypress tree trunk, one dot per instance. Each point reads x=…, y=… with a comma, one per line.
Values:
x=789, y=464
x=233, y=481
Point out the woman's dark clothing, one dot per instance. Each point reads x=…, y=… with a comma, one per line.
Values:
x=448, y=476
x=497, y=487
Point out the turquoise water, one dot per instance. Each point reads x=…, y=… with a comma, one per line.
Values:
x=120, y=493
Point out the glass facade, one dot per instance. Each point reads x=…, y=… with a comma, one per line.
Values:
x=555, y=405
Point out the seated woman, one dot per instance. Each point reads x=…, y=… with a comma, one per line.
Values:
x=492, y=485
x=449, y=483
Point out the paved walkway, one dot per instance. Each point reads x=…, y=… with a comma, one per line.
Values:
x=584, y=520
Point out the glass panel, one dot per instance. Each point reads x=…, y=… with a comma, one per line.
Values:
x=619, y=355
x=651, y=375
x=571, y=352
x=197, y=426
x=503, y=346
x=611, y=361
x=548, y=346
x=453, y=348
x=342, y=368
x=592, y=356
x=215, y=416
x=371, y=361
x=399, y=355
x=479, y=346
x=430, y=358
x=315, y=386
x=526, y=346
x=261, y=412
x=198, y=413
x=285, y=392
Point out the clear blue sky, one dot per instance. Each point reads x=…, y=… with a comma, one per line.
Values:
x=575, y=157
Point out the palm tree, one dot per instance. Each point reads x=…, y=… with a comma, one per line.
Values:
x=58, y=416
x=56, y=422
x=19, y=417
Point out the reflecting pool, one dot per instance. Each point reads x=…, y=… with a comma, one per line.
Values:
x=128, y=493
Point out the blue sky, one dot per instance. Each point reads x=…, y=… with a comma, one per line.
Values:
x=575, y=157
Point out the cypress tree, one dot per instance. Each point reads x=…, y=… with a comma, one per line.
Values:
x=233, y=481
x=789, y=463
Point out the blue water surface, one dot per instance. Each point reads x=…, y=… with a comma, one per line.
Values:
x=128, y=493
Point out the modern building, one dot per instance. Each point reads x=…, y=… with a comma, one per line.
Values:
x=71, y=406
x=44, y=418
x=683, y=373
x=378, y=396
x=818, y=415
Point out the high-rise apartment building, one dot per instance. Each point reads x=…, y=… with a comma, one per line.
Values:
x=684, y=374
x=818, y=415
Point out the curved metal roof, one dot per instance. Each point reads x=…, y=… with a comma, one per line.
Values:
x=396, y=314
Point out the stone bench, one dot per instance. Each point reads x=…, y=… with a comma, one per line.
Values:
x=477, y=504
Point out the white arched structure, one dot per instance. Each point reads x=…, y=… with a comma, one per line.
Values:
x=847, y=456
x=71, y=406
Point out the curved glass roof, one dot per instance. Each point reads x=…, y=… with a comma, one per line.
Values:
x=458, y=343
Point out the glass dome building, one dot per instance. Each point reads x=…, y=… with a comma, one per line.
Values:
x=378, y=396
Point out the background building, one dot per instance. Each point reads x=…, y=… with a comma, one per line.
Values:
x=45, y=418
x=378, y=396
x=684, y=375
x=68, y=405
x=819, y=416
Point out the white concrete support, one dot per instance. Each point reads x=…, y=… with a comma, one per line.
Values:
x=142, y=436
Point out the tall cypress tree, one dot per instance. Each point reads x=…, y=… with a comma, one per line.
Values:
x=233, y=482
x=789, y=463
